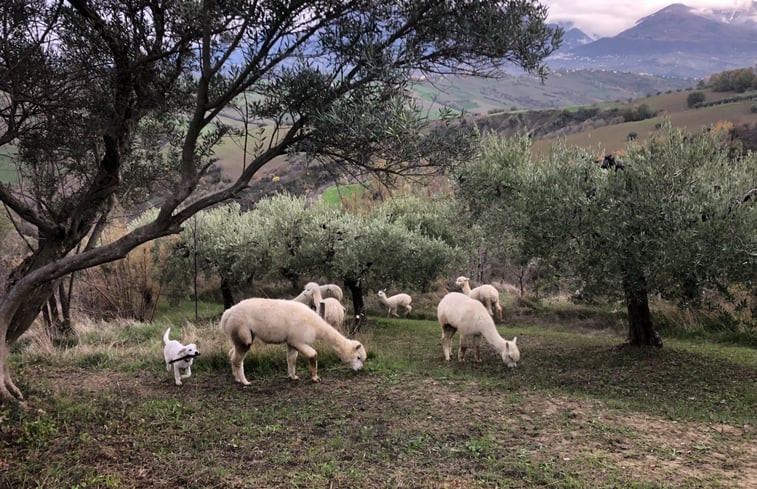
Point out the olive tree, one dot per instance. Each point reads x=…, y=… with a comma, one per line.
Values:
x=114, y=101
x=675, y=216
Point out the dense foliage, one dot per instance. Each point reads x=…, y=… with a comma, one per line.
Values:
x=673, y=217
x=739, y=80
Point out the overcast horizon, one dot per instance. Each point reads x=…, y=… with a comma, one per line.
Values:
x=604, y=18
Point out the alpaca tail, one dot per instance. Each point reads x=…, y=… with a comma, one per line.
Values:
x=224, y=321
x=165, y=336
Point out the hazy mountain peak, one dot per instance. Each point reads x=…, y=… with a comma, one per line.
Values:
x=677, y=40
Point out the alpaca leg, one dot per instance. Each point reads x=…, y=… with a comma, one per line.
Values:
x=237, y=354
x=292, y=362
x=499, y=311
x=312, y=357
x=477, y=346
x=462, y=348
x=447, y=333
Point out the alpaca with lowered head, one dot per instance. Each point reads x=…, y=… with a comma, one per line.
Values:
x=396, y=302
x=331, y=290
x=487, y=294
x=285, y=321
x=458, y=312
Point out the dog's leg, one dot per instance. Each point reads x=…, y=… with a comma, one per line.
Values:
x=447, y=333
x=187, y=372
x=176, y=374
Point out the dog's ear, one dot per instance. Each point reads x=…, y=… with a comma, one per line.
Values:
x=358, y=345
x=182, y=352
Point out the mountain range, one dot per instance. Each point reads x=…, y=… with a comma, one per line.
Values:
x=677, y=41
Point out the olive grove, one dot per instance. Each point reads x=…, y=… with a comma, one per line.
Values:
x=406, y=242
x=674, y=217
x=110, y=103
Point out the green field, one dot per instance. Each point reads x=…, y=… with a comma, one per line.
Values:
x=576, y=413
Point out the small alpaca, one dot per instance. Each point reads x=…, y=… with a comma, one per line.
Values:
x=458, y=312
x=178, y=356
x=395, y=302
x=333, y=310
x=487, y=294
x=284, y=321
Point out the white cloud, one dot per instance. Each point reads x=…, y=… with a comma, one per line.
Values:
x=609, y=17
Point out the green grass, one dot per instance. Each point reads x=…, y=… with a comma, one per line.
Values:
x=578, y=412
x=335, y=195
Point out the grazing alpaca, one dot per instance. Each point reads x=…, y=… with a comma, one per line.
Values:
x=331, y=290
x=487, y=294
x=458, y=312
x=284, y=321
x=333, y=310
x=395, y=302
x=327, y=290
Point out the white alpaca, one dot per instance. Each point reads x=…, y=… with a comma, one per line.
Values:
x=327, y=290
x=333, y=310
x=304, y=298
x=284, y=321
x=487, y=294
x=331, y=290
x=458, y=312
x=395, y=302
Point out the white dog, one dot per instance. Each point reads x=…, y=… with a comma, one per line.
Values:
x=178, y=356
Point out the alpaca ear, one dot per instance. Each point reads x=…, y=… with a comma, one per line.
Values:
x=515, y=339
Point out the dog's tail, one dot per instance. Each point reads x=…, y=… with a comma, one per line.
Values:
x=165, y=336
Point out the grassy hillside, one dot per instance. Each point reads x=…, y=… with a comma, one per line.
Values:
x=671, y=107
x=559, y=89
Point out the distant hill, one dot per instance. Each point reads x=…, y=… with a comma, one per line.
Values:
x=599, y=128
x=676, y=41
x=562, y=88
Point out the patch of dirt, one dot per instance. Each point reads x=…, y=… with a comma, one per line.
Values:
x=373, y=413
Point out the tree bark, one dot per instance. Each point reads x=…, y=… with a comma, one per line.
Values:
x=640, y=328
x=358, y=305
x=226, y=293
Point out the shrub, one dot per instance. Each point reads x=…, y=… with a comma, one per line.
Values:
x=695, y=98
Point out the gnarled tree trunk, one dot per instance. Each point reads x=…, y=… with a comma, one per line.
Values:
x=640, y=328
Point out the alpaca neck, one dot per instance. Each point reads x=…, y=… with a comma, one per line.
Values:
x=493, y=338
x=317, y=298
x=466, y=288
x=384, y=301
x=331, y=337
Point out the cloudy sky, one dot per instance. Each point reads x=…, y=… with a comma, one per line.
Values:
x=609, y=17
